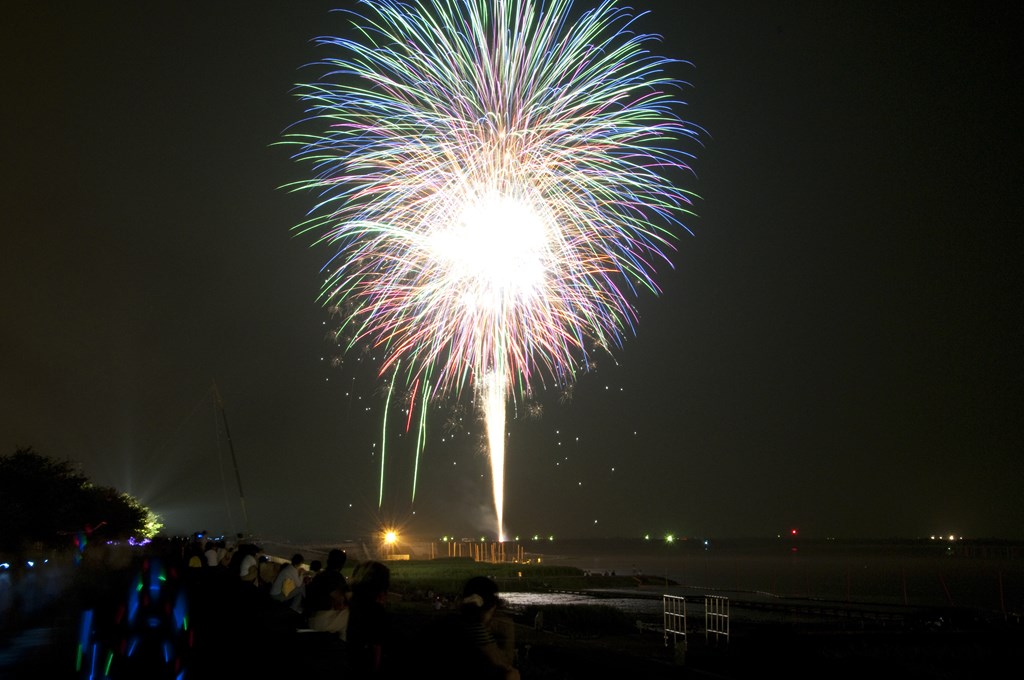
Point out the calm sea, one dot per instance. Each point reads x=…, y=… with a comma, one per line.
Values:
x=986, y=575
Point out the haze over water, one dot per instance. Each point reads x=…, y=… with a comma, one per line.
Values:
x=914, y=572
x=988, y=576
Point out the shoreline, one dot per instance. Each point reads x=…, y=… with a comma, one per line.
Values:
x=982, y=575
x=800, y=637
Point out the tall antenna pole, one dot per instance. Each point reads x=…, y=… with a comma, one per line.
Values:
x=234, y=459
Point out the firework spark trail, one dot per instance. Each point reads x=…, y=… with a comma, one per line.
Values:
x=494, y=177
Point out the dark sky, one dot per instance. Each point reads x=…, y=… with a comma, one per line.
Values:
x=838, y=348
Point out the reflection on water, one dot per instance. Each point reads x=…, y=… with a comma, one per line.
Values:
x=911, y=572
x=630, y=605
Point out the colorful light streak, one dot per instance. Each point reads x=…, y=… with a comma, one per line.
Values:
x=148, y=633
x=498, y=179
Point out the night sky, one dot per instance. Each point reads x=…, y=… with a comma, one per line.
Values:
x=838, y=348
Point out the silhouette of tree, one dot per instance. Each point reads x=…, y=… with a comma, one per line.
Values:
x=46, y=502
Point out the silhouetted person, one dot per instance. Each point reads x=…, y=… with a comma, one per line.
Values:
x=245, y=564
x=288, y=587
x=327, y=597
x=369, y=624
x=485, y=641
x=314, y=568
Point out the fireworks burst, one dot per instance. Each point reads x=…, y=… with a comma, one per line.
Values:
x=495, y=177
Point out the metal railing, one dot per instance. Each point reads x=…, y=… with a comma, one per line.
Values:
x=716, y=618
x=674, y=610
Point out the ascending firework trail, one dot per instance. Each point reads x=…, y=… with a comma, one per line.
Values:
x=498, y=179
